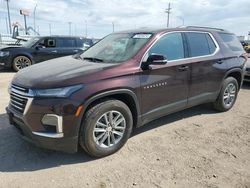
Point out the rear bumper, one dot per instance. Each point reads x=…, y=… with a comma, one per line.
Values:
x=68, y=144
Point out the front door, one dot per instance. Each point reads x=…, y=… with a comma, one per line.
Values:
x=164, y=88
x=45, y=50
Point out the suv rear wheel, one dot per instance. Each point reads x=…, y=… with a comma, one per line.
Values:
x=106, y=128
x=228, y=95
x=21, y=62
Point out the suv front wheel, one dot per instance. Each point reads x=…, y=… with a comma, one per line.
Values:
x=106, y=128
x=21, y=62
x=228, y=95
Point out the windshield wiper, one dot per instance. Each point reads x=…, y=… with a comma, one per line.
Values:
x=94, y=59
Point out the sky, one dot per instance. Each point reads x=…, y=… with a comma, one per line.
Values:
x=94, y=18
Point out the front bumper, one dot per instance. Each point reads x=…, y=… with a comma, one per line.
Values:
x=5, y=62
x=30, y=126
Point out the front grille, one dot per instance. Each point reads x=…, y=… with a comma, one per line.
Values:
x=18, y=100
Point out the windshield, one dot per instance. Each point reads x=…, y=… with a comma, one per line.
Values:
x=116, y=48
x=31, y=42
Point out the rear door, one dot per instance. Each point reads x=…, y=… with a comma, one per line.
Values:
x=66, y=46
x=207, y=69
x=164, y=88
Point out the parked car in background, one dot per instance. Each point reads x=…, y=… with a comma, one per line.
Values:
x=40, y=49
x=246, y=45
x=247, y=73
x=125, y=80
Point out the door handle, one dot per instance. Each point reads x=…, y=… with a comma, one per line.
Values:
x=219, y=62
x=54, y=51
x=75, y=50
x=183, y=68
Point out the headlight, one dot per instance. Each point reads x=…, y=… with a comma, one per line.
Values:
x=3, y=53
x=57, y=92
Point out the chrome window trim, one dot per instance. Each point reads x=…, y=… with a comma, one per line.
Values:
x=188, y=58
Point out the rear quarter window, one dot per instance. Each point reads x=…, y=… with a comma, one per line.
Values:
x=231, y=41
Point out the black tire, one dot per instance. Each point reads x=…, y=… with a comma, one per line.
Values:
x=94, y=114
x=219, y=104
x=21, y=62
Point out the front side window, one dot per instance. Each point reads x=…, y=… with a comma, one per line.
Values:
x=170, y=45
x=31, y=42
x=117, y=47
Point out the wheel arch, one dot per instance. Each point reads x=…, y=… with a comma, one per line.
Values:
x=237, y=74
x=125, y=95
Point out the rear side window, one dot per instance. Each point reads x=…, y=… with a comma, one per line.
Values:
x=170, y=45
x=231, y=42
x=66, y=43
x=200, y=44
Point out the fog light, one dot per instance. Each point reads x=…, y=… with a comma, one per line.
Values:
x=53, y=120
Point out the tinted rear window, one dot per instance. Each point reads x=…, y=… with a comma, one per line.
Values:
x=231, y=41
x=198, y=44
x=66, y=43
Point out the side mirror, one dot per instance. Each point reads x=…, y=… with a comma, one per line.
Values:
x=39, y=46
x=155, y=59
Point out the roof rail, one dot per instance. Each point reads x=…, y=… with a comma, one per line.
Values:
x=200, y=27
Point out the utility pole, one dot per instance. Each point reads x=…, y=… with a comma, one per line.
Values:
x=8, y=9
x=86, y=28
x=168, y=11
x=34, y=26
x=70, y=27
x=113, y=25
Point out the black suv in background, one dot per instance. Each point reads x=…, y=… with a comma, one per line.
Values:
x=40, y=49
x=125, y=80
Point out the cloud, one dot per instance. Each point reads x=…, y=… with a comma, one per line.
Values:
x=129, y=14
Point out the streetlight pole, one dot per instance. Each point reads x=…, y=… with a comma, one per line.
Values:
x=8, y=8
x=113, y=25
x=168, y=12
x=70, y=27
x=86, y=28
x=34, y=19
x=182, y=19
x=7, y=26
x=49, y=29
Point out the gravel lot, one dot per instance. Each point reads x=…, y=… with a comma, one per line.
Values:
x=193, y=148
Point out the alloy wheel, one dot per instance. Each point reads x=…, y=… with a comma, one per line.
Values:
x=229, y=95
x=109, y=129
x=21, y=62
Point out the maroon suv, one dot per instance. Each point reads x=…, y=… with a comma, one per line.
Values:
x=124, y=81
